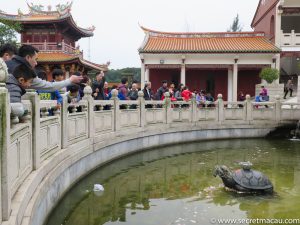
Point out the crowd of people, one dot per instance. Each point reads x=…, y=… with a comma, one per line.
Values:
x=21, y=64
x=23, y=75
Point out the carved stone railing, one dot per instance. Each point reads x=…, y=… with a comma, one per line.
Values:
x=47, y=131
x=290, y=39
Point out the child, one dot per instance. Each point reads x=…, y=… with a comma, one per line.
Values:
x=49, y=95
x=73, y=94
x=73, y=97
x=16, y=84
x=58, y=75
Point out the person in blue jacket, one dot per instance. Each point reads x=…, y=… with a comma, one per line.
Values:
x=49, y=95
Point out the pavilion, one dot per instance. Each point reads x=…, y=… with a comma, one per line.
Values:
x=54, y=33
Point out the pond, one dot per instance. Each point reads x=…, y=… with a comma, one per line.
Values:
x=175, y=185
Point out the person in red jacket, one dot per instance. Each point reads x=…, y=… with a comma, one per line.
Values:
x=186, y=94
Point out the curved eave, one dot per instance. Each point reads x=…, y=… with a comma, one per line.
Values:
x=208, y=52
x=82, y=32
x=93, y=65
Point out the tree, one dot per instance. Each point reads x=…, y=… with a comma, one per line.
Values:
x=116, y=75
x=8, y=31
x=269, y=74
x=236, y=26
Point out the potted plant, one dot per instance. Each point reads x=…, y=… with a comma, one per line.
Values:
x=269, y=74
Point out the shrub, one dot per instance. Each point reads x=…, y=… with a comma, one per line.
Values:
x=269, y=74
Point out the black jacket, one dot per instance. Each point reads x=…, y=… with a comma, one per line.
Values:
x=14, y=89
x=16, y=61
x=146, y=95
x=100, y=86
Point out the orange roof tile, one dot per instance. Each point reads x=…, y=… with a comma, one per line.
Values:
x=55, y=57
x=222, y=42
x=60, y=57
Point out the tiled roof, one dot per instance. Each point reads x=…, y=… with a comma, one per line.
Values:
x=222, y=42
x=59, y=57
x=55, y=57
x=35, y=15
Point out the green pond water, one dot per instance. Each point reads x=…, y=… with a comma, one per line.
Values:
x=174, y=185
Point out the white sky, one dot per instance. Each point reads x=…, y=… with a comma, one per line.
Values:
x=118, y=36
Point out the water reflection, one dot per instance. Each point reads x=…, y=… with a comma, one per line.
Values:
x=174, y=185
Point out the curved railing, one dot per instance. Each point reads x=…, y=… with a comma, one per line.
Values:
x=30, y=146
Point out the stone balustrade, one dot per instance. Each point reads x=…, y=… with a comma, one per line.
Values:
x=290, y=39
x=49, y=134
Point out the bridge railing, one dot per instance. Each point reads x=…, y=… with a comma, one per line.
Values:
x=48, y=130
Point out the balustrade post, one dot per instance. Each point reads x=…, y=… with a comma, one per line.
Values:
x=64, y=122
x=91, y=116
x=277, y=108
x=220, y=117
x=194, y=108
x=167, y=105
x=5, y=195
x=63, y=46
x=293, y=37
x=249, y=109
x=116, y=110
x=142, y=108
x=35, y=118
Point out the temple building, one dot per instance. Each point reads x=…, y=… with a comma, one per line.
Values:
x=227, y=62
x=222, y=62
x=280, y=21
x=54, y=33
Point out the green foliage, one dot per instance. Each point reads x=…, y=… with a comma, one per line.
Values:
x=269, y=74
x=8, y=31
x=116, y=75
x=236, y=26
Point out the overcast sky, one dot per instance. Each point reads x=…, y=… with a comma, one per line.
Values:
x=118, y=35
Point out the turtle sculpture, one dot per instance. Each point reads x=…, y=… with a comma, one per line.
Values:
x=245, y=179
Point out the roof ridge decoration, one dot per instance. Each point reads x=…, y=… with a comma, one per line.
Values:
x=61, y=9
x=155, y=33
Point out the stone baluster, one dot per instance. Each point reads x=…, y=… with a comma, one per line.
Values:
x=56, y=111
x=35, y=114
x=277, y=108
x=5, y=195
x=249, y=109
x=90, y=109
x=73, y=108
x=44, y=112
x=64, y=122
x=116, y=109
x=14, y=120
x=167, y=105
x=194, y=108
x=27, y=117
x=220, y=105
x=141, y=100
